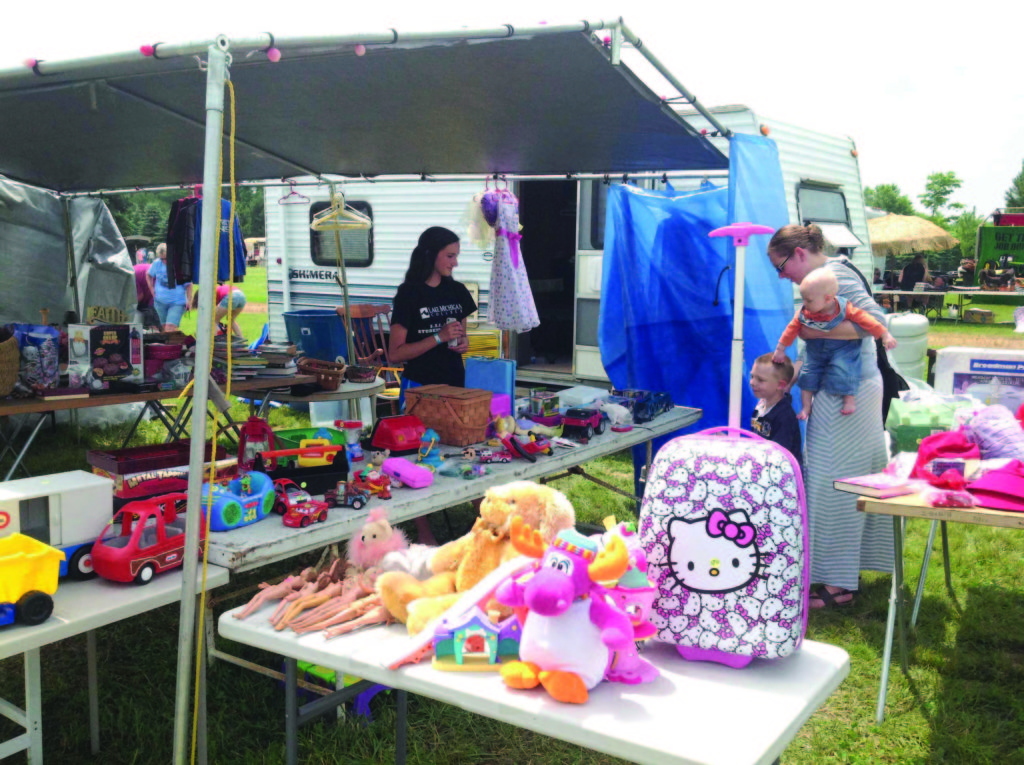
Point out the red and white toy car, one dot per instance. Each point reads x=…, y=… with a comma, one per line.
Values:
x=144, y=537
x=489, y=455
x=296, y=505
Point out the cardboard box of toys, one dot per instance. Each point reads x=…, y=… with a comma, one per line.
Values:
x=98, y=354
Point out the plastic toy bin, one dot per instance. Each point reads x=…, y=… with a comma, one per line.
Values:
x=318, y=332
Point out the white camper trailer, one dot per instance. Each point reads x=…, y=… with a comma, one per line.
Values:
x=562, y=245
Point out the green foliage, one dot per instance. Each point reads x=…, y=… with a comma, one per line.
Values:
x=965, y=228
x=145, y=213
x=938, y=190
x=888, y=197
x=1015, y=194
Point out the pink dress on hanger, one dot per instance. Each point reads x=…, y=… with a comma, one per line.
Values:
x=511, y=301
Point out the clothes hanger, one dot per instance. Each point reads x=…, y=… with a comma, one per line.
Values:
x=339, y=217
x=293, y=197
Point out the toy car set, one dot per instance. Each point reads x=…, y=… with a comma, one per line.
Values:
x=582, y=421
x=296, y=505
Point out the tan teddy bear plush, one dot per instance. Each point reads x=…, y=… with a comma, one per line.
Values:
x=462, y=563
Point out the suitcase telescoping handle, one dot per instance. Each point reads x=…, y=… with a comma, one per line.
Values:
x=725, y=430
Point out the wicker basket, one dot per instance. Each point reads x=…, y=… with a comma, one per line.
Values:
x=328, y=373
x=459, y=415
x=10, y=358
x=359, y=374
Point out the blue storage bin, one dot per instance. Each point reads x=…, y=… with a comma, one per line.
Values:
x=318, y=333
x=495, y=375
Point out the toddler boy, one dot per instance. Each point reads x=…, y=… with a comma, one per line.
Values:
x=831, y=365
x=773, y=417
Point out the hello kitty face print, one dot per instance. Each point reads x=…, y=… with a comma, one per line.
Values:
x=715, y=554
x=723, y=525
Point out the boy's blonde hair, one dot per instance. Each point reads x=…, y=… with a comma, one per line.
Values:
x=783, y=370
x=821, y=281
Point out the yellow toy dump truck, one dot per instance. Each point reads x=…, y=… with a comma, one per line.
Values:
x=28, y=577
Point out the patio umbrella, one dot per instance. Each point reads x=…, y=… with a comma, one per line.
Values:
x=905, y=234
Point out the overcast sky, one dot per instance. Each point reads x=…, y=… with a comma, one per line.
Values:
x=920, y=87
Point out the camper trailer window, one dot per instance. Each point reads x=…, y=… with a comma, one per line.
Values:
x=357, y=246
x=821, y=205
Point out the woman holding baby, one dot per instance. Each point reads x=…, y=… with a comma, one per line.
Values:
x=843, y=541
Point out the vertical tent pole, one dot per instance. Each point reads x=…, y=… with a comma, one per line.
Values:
x=216, y=74
x=740, y=233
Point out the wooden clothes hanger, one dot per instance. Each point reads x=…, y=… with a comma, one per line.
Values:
x=339, y=217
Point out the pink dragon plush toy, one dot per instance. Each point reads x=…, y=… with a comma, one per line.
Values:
x=575, y=633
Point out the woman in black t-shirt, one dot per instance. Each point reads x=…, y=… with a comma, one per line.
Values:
x=428, y=320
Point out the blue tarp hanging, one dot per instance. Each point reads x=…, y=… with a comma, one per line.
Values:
x=660, y=327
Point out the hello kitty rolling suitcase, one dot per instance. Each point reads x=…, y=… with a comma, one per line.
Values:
x=724, y=526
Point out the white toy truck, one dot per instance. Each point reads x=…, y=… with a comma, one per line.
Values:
x=65, y=510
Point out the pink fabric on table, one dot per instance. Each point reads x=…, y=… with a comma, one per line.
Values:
x=501, y=405
x=1001, y=489
x=949, y=445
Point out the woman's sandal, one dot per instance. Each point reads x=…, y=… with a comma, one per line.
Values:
x=827, y=596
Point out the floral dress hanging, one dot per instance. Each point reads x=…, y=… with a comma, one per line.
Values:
x=511, y=301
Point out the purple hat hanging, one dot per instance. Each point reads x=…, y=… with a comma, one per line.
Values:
x=489, y=206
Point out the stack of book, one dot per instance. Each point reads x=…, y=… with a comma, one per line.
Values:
x=244, y=365
x=279, y=358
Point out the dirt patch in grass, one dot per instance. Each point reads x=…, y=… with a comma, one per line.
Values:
x=940, y=339
x=255, y=308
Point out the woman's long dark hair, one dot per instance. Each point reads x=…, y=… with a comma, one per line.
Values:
x=421, y=263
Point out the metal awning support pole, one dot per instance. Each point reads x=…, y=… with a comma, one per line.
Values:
x=635, y=41
x=216, y=74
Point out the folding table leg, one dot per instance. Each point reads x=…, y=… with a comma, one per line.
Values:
x=924, y=574
x=291, y=711
x=181, y=421
x=897, y=531
x=34, y=703
x=401, y=726
x=135, y=425
x=890, y=627
x=25, y=447
x=94, y=694
x=945, y=557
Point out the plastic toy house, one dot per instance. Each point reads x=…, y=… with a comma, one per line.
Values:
x=634, y=594
x=28, y=577
x=473, y=643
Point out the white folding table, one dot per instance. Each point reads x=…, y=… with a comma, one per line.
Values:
x=694, y=713
x=80, y=607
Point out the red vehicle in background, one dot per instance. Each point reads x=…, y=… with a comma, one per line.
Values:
x=296, y=505
x=584, y=421
x=144, y=538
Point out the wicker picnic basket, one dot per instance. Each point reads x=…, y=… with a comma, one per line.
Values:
x=459, y=415
x=10, y=358
x=328, y=374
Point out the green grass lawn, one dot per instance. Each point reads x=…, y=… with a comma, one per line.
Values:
x=255, y=289
x=963, y=701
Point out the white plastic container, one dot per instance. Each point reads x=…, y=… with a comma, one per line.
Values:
x=911, y=351
x=580, y=395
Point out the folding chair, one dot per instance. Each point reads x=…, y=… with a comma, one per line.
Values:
x=371, y=347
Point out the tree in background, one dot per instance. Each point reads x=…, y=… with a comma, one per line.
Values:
x=888, y=197
x=965, y=228
x=937, y=191
x=145, y=213
x=1015, y=194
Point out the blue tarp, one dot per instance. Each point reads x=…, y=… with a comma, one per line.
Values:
x=660, y=328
